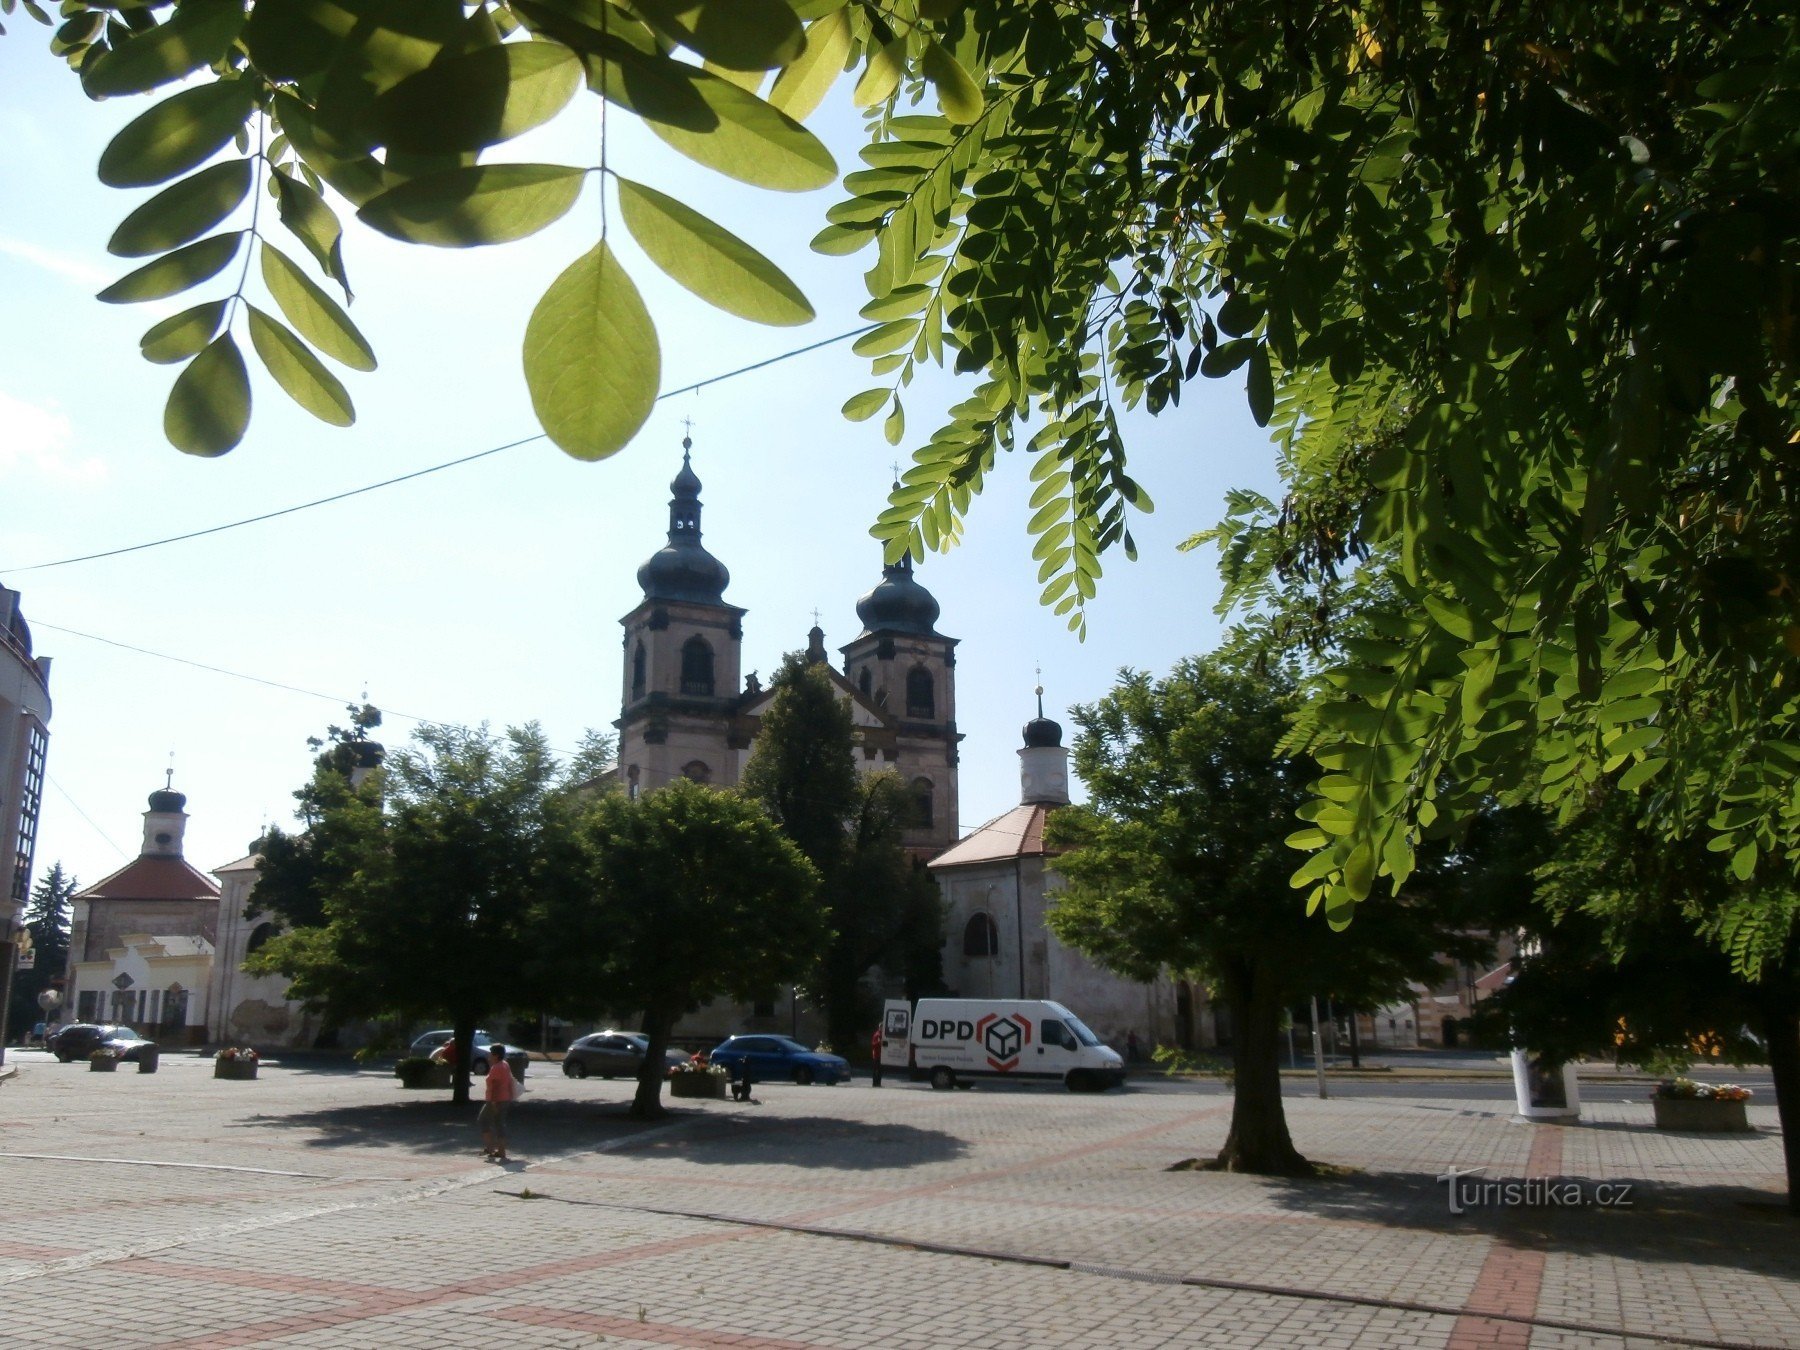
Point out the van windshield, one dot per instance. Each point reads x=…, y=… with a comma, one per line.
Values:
x=1081, y=1031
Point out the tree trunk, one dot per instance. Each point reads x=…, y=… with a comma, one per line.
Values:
x=465, y=1054
x=1259, y=1140
x=1355, y=1044
x=1781, y=1027
x=648, y=1105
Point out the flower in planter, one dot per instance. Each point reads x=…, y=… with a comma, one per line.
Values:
x=232, y=1054
x=103, y=1053
x=1731, y=1092
x=1680, y=1089
x=699, y=1065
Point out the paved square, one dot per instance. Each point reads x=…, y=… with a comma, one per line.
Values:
x=321, y=1207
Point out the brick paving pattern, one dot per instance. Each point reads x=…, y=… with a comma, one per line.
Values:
x=324, y=1208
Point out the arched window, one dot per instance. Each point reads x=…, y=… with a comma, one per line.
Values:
x=631, y=782
x=920, y=701
x=981, y=937
x=865, y=682
x=696, y=770
x=696, y=667
x=637, y=672
x=259, y=935
x=921, y=803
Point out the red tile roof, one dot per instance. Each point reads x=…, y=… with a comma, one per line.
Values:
x=1017, y=834
x=153, y=879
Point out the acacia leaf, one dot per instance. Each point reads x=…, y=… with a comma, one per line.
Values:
x=183, y=211
x=313, y=223
x=738, y=34
x=591, y=358
x=480, y=98
x=197, y=34
x=209, y=407
x=175, y=272
x=481, y=204
x=183, y=131
x=881, y=76
x=182, y=335
x=803, y=84
x=958, y=94
x=298, y=371
x=315, y=314
x=709, y=260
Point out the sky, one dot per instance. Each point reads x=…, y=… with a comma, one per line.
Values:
x=490, y=591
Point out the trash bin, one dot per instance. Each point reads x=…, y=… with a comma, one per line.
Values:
x=148, y=1058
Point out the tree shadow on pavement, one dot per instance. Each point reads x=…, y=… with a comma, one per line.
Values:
x=1745, y=1228
x=818, y=1142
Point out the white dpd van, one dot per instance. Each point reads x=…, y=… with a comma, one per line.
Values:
x=953, y=1040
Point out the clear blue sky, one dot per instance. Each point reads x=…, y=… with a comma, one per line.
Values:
x=491, y=591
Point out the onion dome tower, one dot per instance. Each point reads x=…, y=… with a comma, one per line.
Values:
x=683, y=649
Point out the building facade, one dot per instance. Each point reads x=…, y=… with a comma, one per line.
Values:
x=24, y=747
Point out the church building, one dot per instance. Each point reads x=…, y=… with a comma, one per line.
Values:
x=687, y=710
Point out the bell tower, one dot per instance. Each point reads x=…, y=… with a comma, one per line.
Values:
x=683, y=650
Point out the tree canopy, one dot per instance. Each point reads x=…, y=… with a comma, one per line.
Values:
x=663, y=902
x=46, y=918
x=1512, y=285
x=1178, y=863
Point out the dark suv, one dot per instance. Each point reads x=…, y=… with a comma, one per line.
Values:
x=78, y=1040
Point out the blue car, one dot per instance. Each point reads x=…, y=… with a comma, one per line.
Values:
x=771, y=1057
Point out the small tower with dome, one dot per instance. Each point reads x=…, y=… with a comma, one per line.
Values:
x=682, y=657
x=901, y=664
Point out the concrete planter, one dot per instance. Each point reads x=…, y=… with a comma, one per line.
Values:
x=698, y=1085
x=103, y=1066
x=234, y=1068
x=422, y=1074
x=1702, y=1115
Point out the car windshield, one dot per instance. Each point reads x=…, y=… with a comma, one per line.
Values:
x=793, y=1047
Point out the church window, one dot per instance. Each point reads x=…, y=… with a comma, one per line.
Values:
x=87, y=1005
x=981, y=937
x=631, y=782
x=865, y=682
x=920, y=701
x=259, y=935
x=637, y=672
x=921, y=804
x=696, y=667
x=175, y=1007
x=696, y=771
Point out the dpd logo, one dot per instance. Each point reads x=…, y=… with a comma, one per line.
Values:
x=1003, y=1038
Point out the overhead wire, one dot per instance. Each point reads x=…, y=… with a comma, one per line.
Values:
x=421, y=473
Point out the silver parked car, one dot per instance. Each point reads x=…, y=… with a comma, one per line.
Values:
x=613, y=1054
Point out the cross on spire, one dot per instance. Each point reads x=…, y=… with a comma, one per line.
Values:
x=1039, y=671
x=687, y=438
x=169, y=773
x=815, y=617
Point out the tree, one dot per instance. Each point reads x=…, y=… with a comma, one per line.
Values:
x=1511, y=284
x=881, y=908
x=46, y=918
x=661, y=903
x=1179, y=862
x=414, y=892
x=1629, y=952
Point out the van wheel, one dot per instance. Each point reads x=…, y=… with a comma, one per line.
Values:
x=803, y=1077
x=942, y=1080
x=479, y=1068
x=1081, y=1081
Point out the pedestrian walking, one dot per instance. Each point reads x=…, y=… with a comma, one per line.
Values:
x=875, y=1044
x=1132, y=1054
x=502, y=1088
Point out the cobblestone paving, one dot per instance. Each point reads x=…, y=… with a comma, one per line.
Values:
x=322, y=1208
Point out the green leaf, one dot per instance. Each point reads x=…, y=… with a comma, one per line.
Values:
x=209, y=407
x=313, y=223
x=882, y=75
x=711, y=262
x=317, y=316
x=483, y=204
x=183, y=211
x=895, y=425
x=802, y=86
x=197, y=34
x=181, y=132
x=887, y=338
x=182, y=335
x=1261, y=388
x=591, y=358
x=175, y=272
x=958, y=94
x=861, y=407
x=481, y=98
x=841, y=240
x=739, y=34
x=736, y=133
x=357, y=175
x=298, y=371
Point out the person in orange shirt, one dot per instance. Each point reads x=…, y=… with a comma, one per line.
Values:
x=875, y=1043
x=502, y=1088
